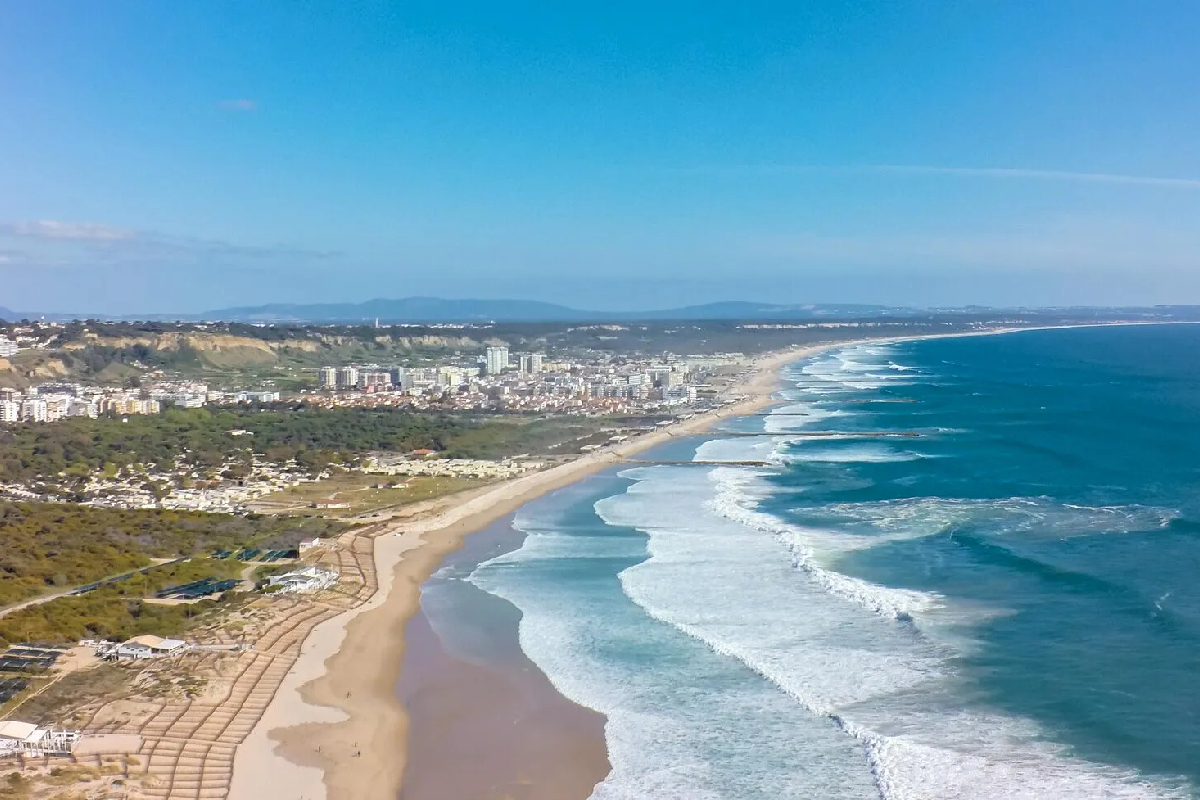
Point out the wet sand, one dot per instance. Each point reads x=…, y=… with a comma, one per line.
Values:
x=487, y=724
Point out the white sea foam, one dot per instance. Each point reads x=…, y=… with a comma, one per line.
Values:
x=854, y=368
x=845, y=663
x=811, y=549
x=742, y=448
x=716, y=577
x=1029, y=516
x=816, y=451
x=707, y=573
x=682, y=723
x=799, y=416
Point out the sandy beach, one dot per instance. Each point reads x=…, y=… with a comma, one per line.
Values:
x=336, y=729
x=474, y=697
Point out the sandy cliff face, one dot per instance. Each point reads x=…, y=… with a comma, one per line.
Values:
x=405, y=342
x=212, y=348
x=225, y=351
x=31, y=368
x=118, y=342
x=301, y=345
x=447, y=342
x=51, y=368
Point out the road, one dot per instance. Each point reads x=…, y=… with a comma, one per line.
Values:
x=37, y=601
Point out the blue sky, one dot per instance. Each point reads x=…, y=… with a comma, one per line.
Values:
x=197, y=154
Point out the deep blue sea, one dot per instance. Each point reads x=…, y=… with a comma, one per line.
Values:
x=985, y=583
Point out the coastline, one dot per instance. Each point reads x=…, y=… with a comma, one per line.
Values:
x=320, y=739
x=473, y=696
x=307, y=743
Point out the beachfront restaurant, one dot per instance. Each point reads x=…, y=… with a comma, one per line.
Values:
x=147, y=646
x=27, y=739
x=303, y=580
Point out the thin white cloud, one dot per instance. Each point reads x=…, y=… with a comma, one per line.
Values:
x=54, y=230
x=240, y=105
x=1002, y=173
x=1035, y=174
x=66, y=243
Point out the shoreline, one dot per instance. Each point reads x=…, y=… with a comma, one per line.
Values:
x=308, y=743
x=473, y=696
x=319, y=740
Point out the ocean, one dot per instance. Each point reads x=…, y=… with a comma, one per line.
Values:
x=968, y=568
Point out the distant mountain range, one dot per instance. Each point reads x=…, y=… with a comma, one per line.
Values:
x=439, y=310
x=434, y=309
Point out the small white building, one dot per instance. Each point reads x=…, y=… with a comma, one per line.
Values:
x=147, y=646
x=304, y=580
x=330, y=504
x=30, y=740
x=309, y=544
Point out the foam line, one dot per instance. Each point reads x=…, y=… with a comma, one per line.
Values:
x=718, y=580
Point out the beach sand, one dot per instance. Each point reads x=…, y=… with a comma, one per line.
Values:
x=484, y=721
x=337, y=730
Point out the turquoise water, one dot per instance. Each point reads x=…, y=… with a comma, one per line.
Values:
x=986, y=584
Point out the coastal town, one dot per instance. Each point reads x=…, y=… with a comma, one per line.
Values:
x=578, y=401
x=600, y=388
x=176, y=672
x=189, y=700
x=164, y=698
x=497, y=380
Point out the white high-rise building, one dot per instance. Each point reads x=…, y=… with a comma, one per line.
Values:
x=497, y=360
x=329, y=376
x=8, y=347
x=10, y=411
x=529, y=363
x=347, y=378
x=33, y=410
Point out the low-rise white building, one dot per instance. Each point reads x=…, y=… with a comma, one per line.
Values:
x=147, y=646
x=304, y=580
x=30, y=740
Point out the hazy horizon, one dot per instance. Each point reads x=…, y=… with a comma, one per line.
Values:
x=148, y=314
